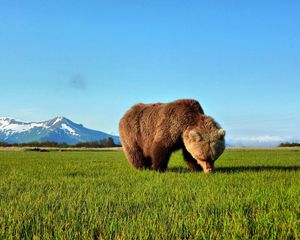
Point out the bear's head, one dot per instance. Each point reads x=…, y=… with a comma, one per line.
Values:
x=205, y=142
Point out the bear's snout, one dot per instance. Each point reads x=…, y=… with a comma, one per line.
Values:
x=209, y=167
x=208, y=170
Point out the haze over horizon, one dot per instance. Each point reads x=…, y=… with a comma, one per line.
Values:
x=92, y=61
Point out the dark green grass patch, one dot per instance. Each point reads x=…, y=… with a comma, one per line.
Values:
x=254, y=194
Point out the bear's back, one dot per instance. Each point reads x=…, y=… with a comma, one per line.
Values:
x=144, y=123
x=139, y=118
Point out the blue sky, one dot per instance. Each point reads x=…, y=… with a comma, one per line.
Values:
x=91, y=60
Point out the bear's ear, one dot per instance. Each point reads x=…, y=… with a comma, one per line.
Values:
x=221, y=132
x=193, y=134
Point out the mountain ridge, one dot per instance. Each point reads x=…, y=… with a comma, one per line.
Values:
x=59, y=129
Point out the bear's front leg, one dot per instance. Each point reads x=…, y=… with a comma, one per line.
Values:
x=160, y=157
x=191, y=162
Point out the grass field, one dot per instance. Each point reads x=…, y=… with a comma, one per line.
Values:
x=254, y=194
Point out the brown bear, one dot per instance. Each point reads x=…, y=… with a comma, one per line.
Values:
x=151, y=132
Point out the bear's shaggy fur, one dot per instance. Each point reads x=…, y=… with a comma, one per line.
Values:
x=151, y=132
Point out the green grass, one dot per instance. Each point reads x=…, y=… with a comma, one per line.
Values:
x=254, y=194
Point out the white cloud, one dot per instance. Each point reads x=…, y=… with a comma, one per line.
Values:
x=264, y=140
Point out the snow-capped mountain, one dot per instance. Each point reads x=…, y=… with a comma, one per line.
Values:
x=59, y=129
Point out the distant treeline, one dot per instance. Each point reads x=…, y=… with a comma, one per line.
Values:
x=109, y=142
x=289, y=144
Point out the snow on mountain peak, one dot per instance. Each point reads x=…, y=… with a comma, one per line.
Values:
x=67, y=128
x=11, y=126
x=57, y=120
x=5, y=120
x=58, y=129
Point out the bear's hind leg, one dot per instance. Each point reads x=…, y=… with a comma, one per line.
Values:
x=136, y=157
